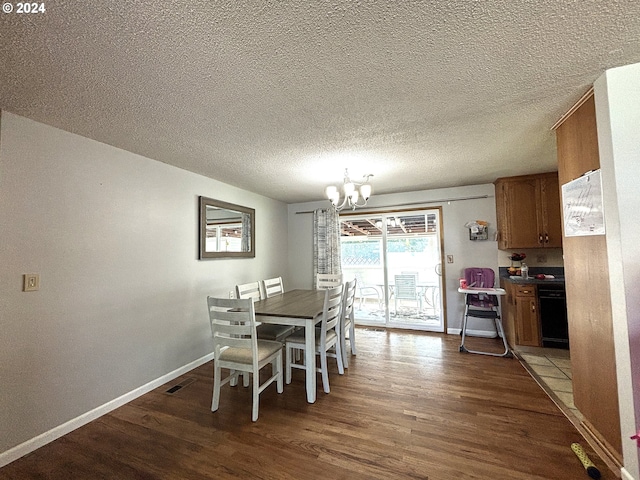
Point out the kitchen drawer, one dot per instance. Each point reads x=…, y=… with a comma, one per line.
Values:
x=525, y=290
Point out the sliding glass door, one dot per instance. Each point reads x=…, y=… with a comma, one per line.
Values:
x=396, y=257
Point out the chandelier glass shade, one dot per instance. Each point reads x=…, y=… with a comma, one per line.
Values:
x=353, y=197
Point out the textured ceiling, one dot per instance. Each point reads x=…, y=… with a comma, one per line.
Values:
x=278, y=97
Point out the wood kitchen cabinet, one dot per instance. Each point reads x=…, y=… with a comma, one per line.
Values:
x=507, y=307
x=528, y=211
x=520, y=316
x=589, y=305
x=527, y=317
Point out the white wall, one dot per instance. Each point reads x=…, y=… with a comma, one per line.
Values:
x=617, y=96
x=466, y=253
x=122, y=299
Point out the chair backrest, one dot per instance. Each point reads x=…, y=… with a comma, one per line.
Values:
x=414, y=273
x=328, y=280
x=348, y=301
x=233, y=324
x=405, y=287
x=480, y=277
x=272, y=287
x=331, y=312
x=249, y=290
x=358, y=278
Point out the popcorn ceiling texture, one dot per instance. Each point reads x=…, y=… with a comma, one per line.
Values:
x=279, y=97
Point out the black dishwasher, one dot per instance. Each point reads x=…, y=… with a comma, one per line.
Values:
x=553, y=316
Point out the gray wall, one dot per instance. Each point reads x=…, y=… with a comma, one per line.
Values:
x=114, y=238
x=466, y=253
x=617, y=96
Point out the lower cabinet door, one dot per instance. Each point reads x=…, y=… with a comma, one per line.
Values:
x=527, y=321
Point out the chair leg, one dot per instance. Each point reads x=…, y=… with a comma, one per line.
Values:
x=276, y=367
x=339, y=357
x=325, y=371
x=345, y=357
x=245, y=379
x=352, y=337
x=217, y=371
x=343, y=347
x=463, y=333
x=256, y=396
x=288, y=365
x=234, y=378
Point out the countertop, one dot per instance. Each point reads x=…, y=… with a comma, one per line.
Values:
x=557, y=272
x=558, y=280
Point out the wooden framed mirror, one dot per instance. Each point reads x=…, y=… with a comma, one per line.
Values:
x=226, y=230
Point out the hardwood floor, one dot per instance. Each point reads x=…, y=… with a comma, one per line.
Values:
x=409, y=406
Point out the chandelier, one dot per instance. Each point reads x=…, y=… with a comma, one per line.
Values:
x=351, y=194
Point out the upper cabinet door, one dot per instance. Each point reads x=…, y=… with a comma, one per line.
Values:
x=522, y=213
x=551, y=211
x=528, y=211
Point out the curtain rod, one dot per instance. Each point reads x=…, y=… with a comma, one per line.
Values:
x=412, y=204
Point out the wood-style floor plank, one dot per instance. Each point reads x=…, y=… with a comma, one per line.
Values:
x=410, y=406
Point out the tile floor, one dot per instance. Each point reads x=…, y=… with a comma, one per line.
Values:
x=552, y=369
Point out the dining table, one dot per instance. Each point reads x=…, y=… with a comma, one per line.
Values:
x=300, y=308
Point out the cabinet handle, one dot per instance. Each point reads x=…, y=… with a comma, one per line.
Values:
x=546, y=238
x=533, y=307
x=540, y=238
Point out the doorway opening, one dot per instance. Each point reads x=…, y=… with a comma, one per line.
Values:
x=396, y=258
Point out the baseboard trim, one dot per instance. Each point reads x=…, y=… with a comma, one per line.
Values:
x=473, y=333
x=625, y=474
x=67, y=427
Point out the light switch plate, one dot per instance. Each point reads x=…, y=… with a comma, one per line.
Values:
x=31, y=282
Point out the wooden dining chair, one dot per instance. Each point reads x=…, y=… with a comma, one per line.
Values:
x=249, y=290
x=327, y=338
x=347, y=322
x=265, y=331
x=272, y=287
x=237, y=348
x=328, y=280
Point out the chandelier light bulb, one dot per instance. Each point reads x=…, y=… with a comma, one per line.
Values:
x=349, y=188
x=352, y=193
x=365, y=191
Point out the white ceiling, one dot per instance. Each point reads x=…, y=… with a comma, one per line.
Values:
x=278, y=97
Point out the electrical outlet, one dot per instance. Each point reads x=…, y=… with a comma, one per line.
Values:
x=232, y=294
x=31, y=282
x=449, y=258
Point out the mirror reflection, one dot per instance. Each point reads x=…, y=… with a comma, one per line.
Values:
x=226, y=230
